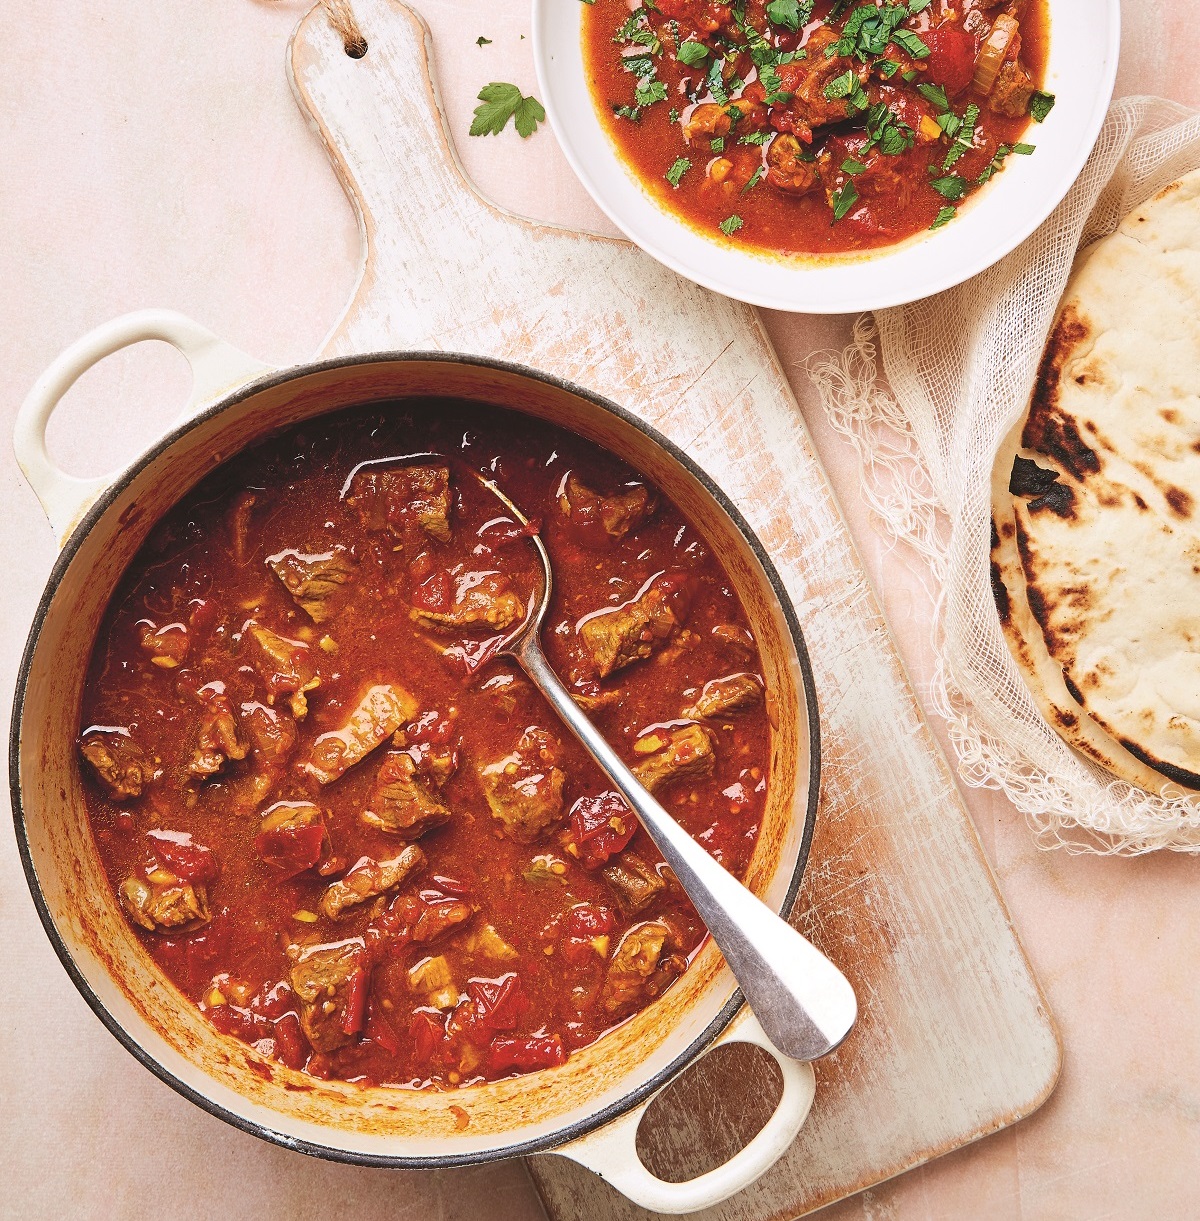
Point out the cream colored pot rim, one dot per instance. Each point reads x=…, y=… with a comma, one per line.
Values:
x=67, y=553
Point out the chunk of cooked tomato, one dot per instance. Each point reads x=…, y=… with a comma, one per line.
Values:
x=291, y=850
x=951, y=61
x=507, y=1055
x=601, y=827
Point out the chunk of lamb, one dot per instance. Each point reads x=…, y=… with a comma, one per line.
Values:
x=292, y=838
x=732, y=693
x=331, y=982
x=165, y=907
x=401, y=803
x=221, y=735
x=615, y=638
x=285, y=666
x=524, y=790
x=786, y=170
x=1011, y=93
x=805, y=80
x=481, y=599
x=644, y=963
x=117, y=761
x=388, y=499
x=686, y=754
x=368, y=879
x=598, y=519
x=379, y=714
x=272, y=735
x=635, y=881
x=313, y=578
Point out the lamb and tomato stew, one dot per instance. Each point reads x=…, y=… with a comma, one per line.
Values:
x=351, y=838
x=817, y=126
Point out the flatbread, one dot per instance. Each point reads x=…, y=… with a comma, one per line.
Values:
x=1096, y=499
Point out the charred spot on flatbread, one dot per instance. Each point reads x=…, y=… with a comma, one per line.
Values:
x=1029, y=479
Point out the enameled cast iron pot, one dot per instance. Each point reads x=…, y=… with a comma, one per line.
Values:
x=589, y=1108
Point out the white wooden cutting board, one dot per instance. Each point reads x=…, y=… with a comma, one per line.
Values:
x=954, y=1040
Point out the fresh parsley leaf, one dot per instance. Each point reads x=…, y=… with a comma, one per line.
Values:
x=630, y=27
x=640, y=64
x=677, y=171
x=771, y=82
x=918, y=6
x=964, y=137
x=851, y=166
x=632, y=113
x=1040, y=105
x=483, y=42
x=501, y=102
x=843, y=201
x=909, y=76
x=648, y=92
x=840, y=86
x=790, y=14
x=692, y=52
x=756, y=137
x=951, y=187
x=935, y=94
x=715, y=82
x=887, y=68
x=717, y=145
x=1024, y=149
x=906, y=40
x=731, y=224
x=944, y=217
x=754, y=179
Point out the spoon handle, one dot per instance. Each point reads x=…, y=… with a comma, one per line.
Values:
x=804, y=1004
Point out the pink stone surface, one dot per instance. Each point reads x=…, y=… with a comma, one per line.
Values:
x=153, y=155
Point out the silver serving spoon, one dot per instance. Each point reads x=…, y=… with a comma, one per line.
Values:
x=802, y=1001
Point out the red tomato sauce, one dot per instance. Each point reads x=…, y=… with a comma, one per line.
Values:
x=348, y=837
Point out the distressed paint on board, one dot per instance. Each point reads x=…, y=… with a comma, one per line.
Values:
x=954, y=1040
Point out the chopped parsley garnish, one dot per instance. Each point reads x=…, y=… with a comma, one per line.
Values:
x=909, y=76
x=906, y=40
x=918, y=6
x=843, y=200
x=755, y=178
x=935, y=94
x=790, y=14
x=851, y=166
x=1024, y=149
x=839, y=7
x=715, y=82
x=731, y=224
x=632, y=113
x=848, y=86
x=717, y=145
x=944, y=217
x=769, y=76
x=629, y=28
x=964, y=137
x=692, y=52
x=868, y=30
x=887, y=68
x=673, y=116
x=951, y=187
x=483, y=42
x=640, y=64
x=756, y=137
x=501, y=102
x=677, y=171
x=1040, y=105
x=648, y=92
x=884, y=130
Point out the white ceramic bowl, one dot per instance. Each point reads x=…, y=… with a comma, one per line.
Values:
x=1080, y=71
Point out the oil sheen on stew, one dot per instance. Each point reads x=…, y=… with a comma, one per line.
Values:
x=349, y=837
x=817, y=126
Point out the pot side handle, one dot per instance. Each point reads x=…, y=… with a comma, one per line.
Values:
x=216, y=368
x=611, y=1151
